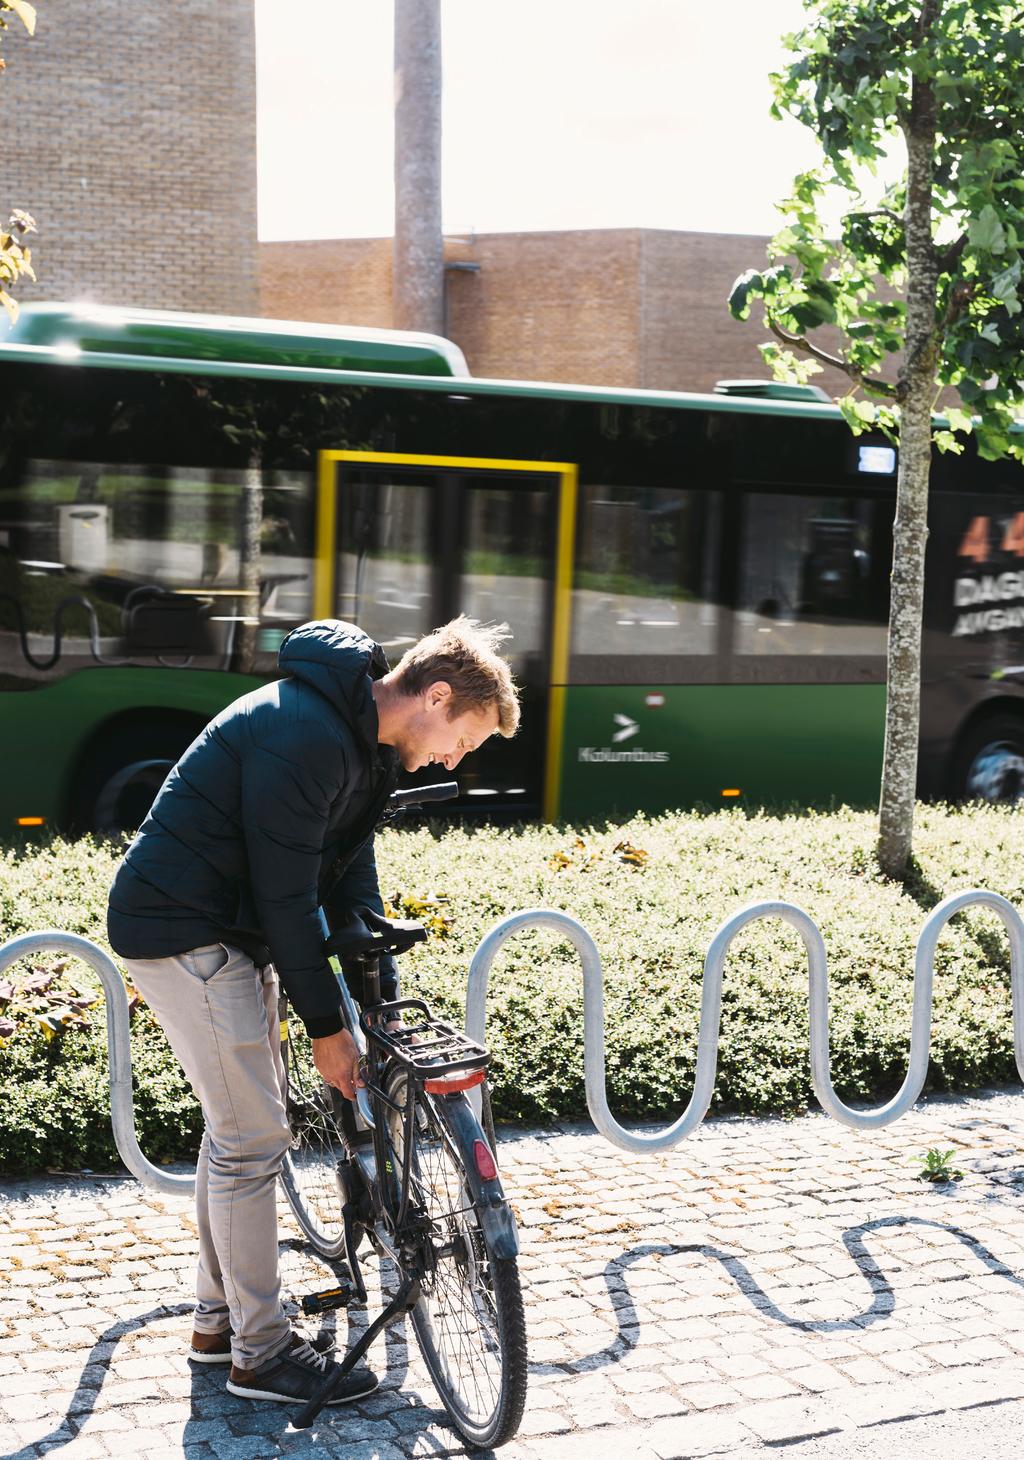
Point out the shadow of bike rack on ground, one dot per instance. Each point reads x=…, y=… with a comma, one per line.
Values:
x=122, y=1108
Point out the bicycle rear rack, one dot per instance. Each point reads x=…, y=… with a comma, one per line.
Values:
x=433, y=1052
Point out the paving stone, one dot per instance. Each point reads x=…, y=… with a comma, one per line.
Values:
x=785, y=1421
x=789, y=1274
x=692, y=1436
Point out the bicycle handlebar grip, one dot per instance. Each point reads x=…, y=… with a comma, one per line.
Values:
x=417, y=795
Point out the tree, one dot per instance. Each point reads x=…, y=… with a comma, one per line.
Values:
x=418, y=258
x=927, y=270
x=15, y=258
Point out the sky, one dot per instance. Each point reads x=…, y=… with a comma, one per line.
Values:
x=557, y=114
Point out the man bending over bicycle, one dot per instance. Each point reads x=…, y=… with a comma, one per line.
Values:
x=268, y=815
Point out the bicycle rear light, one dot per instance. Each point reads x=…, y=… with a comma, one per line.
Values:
x=484, y=1161
x=451, y=1084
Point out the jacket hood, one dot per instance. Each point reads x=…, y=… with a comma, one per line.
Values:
x=339, y=661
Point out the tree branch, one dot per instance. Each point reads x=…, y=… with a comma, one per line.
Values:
x=798, y=342
x=960, y=296
x=875, y=213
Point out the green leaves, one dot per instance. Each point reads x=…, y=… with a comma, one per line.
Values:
x=986, y=231
x=959, y=420
x=936, y=1165
x=1005, y=287
x=15, y=259
x=853, y=71
x=859, y=415
x=749, y=285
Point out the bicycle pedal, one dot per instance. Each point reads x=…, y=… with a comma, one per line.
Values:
x=327, y=1300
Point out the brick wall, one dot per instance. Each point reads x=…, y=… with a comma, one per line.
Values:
x=133, y=132
x=628, y=307
x=549, y=306
x=327, y=281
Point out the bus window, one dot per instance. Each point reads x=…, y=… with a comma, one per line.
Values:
x=506, y=566
x=386, y=564
x=813, y=577
x=644, y=587
x=182, y=565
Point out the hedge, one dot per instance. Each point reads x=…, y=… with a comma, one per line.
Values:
x=652, y=892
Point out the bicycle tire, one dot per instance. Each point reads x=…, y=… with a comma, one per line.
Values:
x=308, y=1173
x=468, y=1283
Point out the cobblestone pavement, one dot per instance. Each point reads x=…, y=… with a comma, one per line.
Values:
x=766, y=1281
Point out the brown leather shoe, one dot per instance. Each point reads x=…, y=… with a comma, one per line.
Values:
x=211, y=1348
x=215, y=1348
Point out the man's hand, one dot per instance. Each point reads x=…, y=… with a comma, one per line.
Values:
x=337, y=1059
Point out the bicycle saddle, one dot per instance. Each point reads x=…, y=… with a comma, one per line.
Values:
x=367, y=932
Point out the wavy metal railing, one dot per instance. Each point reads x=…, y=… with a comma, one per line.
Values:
x=122, y=1106
x=711, y=1010
x=122, y=1110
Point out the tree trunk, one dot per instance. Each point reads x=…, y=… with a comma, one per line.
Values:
x=418, y=258
x=910, y=529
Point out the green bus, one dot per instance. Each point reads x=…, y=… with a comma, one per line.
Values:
x=697, y=584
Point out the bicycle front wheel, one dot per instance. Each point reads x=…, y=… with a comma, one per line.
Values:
x=469, y=1321
x=309, y=1173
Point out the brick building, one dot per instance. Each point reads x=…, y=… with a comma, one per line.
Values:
x=132, y=140
x=620, y=306
x=135, y=148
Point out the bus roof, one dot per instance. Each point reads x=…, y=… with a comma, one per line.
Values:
x=105, y=337
x=164, y=334
x=111, y=337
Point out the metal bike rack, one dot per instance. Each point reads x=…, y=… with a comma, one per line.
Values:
x=122, y=1107
x=122, y=1110
x=711, y=1010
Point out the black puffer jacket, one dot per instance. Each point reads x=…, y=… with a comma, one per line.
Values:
x=269, y=813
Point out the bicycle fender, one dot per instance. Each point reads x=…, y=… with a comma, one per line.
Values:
x=499, y=1228
x=496, y=1219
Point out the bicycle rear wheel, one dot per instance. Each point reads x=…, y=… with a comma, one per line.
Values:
x=309, y=1172
x=469, y=1322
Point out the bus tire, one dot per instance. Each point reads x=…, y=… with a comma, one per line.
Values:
x=118, y=780
x=989, y=762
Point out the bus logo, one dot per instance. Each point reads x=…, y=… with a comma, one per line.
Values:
x=629, y=727
x=608, y=755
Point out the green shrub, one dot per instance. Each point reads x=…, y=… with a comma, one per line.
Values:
x=652, y=919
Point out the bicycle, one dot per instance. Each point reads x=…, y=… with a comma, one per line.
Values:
x=409, y=1169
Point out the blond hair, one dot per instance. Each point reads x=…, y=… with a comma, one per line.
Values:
x=465, y=655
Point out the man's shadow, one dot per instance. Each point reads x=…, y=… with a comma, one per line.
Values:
x=210, y=1400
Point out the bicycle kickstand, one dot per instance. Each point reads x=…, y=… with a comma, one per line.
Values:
x=407, y=1297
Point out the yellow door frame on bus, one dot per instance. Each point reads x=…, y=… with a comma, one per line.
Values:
x=568, y=478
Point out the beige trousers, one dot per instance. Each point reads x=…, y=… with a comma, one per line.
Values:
x=219, y=1012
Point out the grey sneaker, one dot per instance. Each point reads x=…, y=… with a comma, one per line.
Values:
x=295, y=1374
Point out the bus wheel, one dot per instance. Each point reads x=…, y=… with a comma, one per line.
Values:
x=119, y=782
x=990, y=761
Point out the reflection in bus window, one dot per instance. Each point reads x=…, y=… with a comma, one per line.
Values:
x=505, y=563
x=813, y=574
x=385, y=567
x=644, y=581
x=150, y=563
